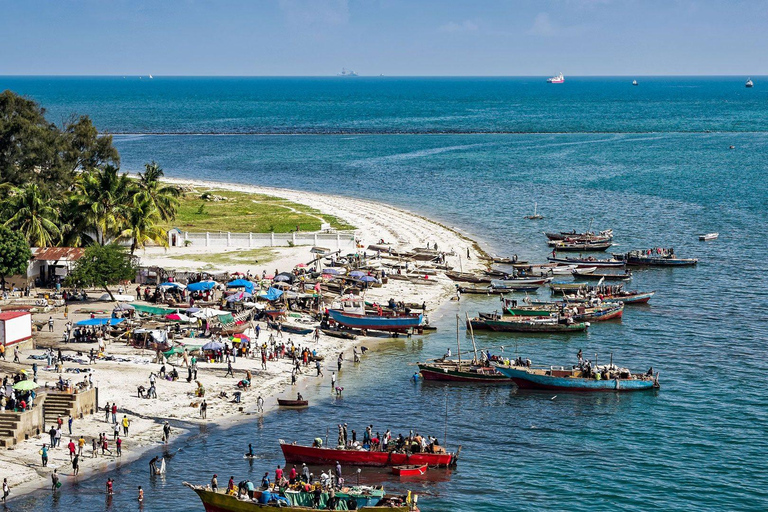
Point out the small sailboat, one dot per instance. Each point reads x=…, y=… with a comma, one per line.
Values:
x=749, y=83
x=535, y=215
x=634, y=82
x=150, y=76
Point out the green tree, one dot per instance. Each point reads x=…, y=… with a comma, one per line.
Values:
x=165, y=198
x=30, y=210
x=14, y=254
x=141, y=224
x=102, y=266
x=83, y=148
x=101, y=200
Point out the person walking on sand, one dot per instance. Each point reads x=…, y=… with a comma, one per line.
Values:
x=16, y=353
x=260, y=404
x=106, y=412
x=116, y=431
x=69, y=424
x=76, y=465
x=319, y=369
x=114, y=412
x=126, y=424
x=229, y=370
x=71, y=447
x=50, y=324
x=166, y=432
x=94, y=447
x=44, y=455
x=6, y=489
x=119, y=446
x=203, y=410
x=80, y=445
x=105, y=446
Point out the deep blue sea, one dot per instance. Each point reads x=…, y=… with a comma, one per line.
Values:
x=653, y=162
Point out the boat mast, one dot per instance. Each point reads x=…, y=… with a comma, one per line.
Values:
x=458, y=343
x=472, y=337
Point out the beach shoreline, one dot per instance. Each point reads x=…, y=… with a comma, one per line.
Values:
x=374, y=221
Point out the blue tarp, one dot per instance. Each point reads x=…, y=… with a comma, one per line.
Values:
x=241, y=283
x=90, y=322
x=271, y=294
x=201, y=286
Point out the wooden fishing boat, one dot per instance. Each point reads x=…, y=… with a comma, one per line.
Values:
x=588, y=262
x=477, y=290
x=467, y=277
x=576, y=379
x=654, y=259
x=296, y=404
x=506, y=261
x=220, y=501
x=412, y=470
x=588, y=235
x=509, y=323
x=560, y=287
x=506, y=283
x=625, y=297
x=466, y=371
x=292, y=328
x=344, y=335
x=709, y=236
x=535, y=215
x=294, y=454
x=393, y=322
x=579, y=245
x=516, y=288
x=624, y=276
x=232, y=329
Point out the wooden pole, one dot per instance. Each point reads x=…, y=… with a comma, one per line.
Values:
x=458, y=343
x=472, y=337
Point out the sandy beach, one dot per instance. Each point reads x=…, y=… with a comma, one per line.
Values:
x=117, y=381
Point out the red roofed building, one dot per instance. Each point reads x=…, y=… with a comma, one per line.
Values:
x=15, y=327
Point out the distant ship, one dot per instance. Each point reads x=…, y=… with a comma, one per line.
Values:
x=150, y=76
x=556, y=79
x=749, y=83
x=346, y=72
x=634, y=82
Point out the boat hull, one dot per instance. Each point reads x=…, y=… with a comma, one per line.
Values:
x=377, y=323
x=410, y=470
x=581, y=263
x=505, y=326
x=322, y=456
x=527, y=380
x=436, y=373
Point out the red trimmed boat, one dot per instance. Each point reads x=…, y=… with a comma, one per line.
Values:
x=296, y=454
x=452, y=371
x=417, y=470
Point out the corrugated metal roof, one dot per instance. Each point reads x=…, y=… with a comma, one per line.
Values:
x=57, y=253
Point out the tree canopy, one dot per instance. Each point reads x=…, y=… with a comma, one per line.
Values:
x=14, y=254
x=102, y=266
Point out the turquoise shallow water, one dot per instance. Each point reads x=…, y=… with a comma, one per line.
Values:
x=652, y=162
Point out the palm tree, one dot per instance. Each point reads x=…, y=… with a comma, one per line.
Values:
x=102, y=199
x=31, y=211
x=141, y=224
x=165, y=198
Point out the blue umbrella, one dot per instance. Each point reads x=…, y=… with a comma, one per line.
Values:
x=331, y=271
x=99, y=321
x=213, y=345
x=201, y=286
x=368, y=279
x=191, y=310
x=357, y=273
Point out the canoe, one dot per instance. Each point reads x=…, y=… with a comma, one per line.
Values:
x=481, y=290
x=451, y=371
x=573, y=379
x=632, y=297
x=291, y=328
x=220, y=501
x=412, y=470
x=467, y=277
x=344, y=335
x=709, y=236
x=588, y=262
x=392, y=323
x=295, y=454
x=527, y=324
x=642, y=258
x=587, y=235
x=292, y=403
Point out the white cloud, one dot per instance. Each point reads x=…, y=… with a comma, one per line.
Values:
x=315, y=12
x=544, y=26
x=464, y=26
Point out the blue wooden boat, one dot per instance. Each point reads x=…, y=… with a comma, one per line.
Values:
x=577, y=379
x=654, y=259
x=352, y=313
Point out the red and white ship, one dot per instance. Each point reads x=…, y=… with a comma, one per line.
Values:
x=556, y=79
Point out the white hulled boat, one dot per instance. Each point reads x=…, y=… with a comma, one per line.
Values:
x=556, y=79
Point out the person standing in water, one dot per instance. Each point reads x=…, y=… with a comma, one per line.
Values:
x=141, y=494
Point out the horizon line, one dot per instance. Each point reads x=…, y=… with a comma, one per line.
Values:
x=61, y=75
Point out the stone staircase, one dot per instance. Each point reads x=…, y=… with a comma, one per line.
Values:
x=59, y=405
x=19, y=426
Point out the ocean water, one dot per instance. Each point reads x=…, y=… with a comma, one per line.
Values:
x=652, y=162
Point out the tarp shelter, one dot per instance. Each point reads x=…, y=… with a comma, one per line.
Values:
x=179, y=317
x=158, y=336
x=209, y=313
x=123, y=307
x=368, y=279
x=284, y=276
x=271, y=294
x=241, y=283
x=90, y=322
x=178, y=286
x=213, y=345
x=179, y=349
x=201, y=286
x=153, y=310
x=239, y=296
x=357, y=273
x=118, y=297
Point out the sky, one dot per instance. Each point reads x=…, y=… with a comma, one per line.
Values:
x=390, y=37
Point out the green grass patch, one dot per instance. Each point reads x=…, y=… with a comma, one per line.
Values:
x=252, y=256
x=247, y=213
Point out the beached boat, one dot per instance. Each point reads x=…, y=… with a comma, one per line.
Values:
x=295, y=454
x=588, y=262
x=291, y=328
x=578, y=245
x=282, y=402
x=509, y=323
x=220, y=501
x=412, y=470
x=344, y=335
x=506, y=283
x=480, y=290
x=578, y=379
x=624, y=276
x=655, y=258
x=708, y=236
x=232, y=329
x=352, y=313
x=467, y=277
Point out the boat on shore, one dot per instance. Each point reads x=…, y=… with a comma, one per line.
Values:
x=291, y=328
x=467, y=277
x=655, y=258
x=263, y=501
x=344, y=335
x=708, y=236
x=582, y=378
x=587, y=262
x=296, y=454
x=490, y=290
